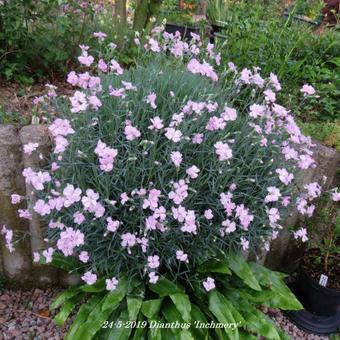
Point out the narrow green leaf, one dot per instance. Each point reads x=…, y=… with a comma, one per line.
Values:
x=99, y=286
x=241, y=268
x=151, y=307
x=66, y=263
x=183, y=305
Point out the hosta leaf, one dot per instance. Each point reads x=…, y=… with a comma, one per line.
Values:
x=220, y=307
x=121, y=332
x=151, y=307
x=172, y=314
x=164, y=287
x=66, y=263
x=241, y=268
x=198, y=316
x=182, y=303
x=82, y=315
x=133, y=304
x=64, y=296
x=66, y=309
x=99, y=286
x=214, y=266
x=114, y=298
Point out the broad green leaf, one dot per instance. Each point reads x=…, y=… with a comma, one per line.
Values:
x=66, y=263
x=241, y=268
x=99, y=314
x=164, y=287
x=151, y=307
x=84, y=311
x=64, y=296
x=220, y=307
x=97, y=287
x=186, y=335
x=172, y=314
x=121, y=332
x=282, y=296
x=155, y=333
x=114, y=298
x=198, y=317
x=134, y=304
x=214, y=266
x=182, y=303
x=66, y=309
x=140, y=332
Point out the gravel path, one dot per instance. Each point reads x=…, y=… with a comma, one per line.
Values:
x=24, y=315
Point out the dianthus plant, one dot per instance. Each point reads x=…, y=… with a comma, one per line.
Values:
x=159, y=168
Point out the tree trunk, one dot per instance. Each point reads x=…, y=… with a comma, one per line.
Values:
x=141, y=15
x=121, y=12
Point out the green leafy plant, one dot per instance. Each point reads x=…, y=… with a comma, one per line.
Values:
x=136, y=311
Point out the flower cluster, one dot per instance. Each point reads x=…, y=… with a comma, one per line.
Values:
x=157, y=168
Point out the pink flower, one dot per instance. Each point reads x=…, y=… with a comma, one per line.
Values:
x=302, y=234
x=257, y=110
x=285, y=177
x=244, y=243
x=150, y=99
x=128, y=86
x=173, y=134
x=115, y=67
x=232, y=67
x=153, y=278
x=102, y=65
x=71, y=195
x=153, y=261
x=131, y=132
x=273, y=195
x=156, y=123
x=181, y=256
x=286, y=201
x=275, y=82
x=72, y=78
x=48, y=253
x=180, y=192
x=204, y=69
x=24, y=213
x=111, y=284
x=229, y=114
x=223, y=151
x=152, y=200
x=36, y=257
x=15, y=198
x=313, y=190
x=124, y=198
x=198, y=138
x=244, y=216
x=208, y=214
x=42, y=208
x=85, y=59
x=209, y=284
x=128, y=240
x=305, y=162
x=30, y=147
x=215, y=123
x=100, y=35
x=176, y=158
x=229, y=227
x=112, y=225
x=79, y=102
x=336, y=196
x=269, y=96
x=273, y=215
x=307, y=90
x=89, y=278
x=94, y=102
x=84, y=256
x=78, y=217
x=193, y=171
x=69, y=239
x=8, y=234
x=61, y=127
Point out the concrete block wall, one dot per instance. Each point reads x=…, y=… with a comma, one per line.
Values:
x=19, y=265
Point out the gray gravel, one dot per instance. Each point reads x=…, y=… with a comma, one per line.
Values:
x=24, y=315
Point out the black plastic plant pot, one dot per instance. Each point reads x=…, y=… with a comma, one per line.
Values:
x=183, y=30
x=322, y=306
x=315, y=298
